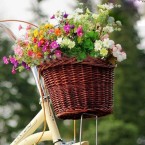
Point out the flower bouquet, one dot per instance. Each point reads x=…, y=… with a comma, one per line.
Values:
x=76, y=58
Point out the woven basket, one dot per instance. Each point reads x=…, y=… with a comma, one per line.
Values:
x=79, y=87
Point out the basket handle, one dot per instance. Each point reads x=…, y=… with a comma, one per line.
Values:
x=8, y=31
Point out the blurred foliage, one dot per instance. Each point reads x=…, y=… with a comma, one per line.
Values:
x=114, y=132
x=129, y=84
x=18, y=97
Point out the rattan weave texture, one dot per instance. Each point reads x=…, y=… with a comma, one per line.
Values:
x=79, y=87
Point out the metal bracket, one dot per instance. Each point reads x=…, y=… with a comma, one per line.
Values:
x=68, y=143
x=80, y=139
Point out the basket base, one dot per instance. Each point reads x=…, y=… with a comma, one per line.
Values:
x=89, y=113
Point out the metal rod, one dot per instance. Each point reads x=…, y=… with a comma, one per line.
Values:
x=49, y=115
x=81, y=128
x=82, y=123
x=96, y=130
x=74, y=130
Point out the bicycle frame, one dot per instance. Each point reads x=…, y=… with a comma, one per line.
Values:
x=26, y=137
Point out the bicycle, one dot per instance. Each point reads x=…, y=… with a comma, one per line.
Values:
x=26, y=137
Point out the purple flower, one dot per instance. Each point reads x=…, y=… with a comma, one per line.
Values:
x=65, y=15
x=14, y=61
x=39, y=44
x=54, y=45
x=44, y=48
x=67, y=28
x=52, y=17
x=25, y=65
x=80, y=31
x=47, y=43
x=72, y=26
x=13, y=70
x=58, y=53
x=5, y=60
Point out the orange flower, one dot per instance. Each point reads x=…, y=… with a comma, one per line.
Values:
x=42, y=41
x=57, y=32
x=39, y=55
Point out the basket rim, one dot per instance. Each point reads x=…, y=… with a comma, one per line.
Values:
x=67, y=60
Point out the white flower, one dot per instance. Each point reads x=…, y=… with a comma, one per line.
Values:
x=70, y=16
x=108, y=43
x=104, y=52
x=108, y=29
x=71, y=44
x=59, y=40
x=119, y=47
x=64, y=42
x=117, y=52
x=67, y=42
x=78, y=18
x=121, y=56
x=124, y=56
x=95, y=16
x=58, y=14
x=98, y=45
x=78, y=10
x=108, y=6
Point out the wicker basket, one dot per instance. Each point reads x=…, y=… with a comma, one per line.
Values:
x=79, y=87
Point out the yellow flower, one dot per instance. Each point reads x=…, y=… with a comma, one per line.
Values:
x=103, y=52
x=41, y=32
x=41, y=37
x=48, y=26
x=35, y=32
x=29, y=46
x=35, y=48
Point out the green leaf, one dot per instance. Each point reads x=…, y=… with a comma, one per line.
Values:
x=20, y=68
x=79, y=39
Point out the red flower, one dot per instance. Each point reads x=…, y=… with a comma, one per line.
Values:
x=30, y=53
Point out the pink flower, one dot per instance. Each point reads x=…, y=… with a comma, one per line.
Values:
x=105, y=37
x=39, y=44
x=26, y=42
x=67, y=28
x=20, y=27
x=18, y=51
x=44, y=48
x=26, y=36
x=28, y=27
x=5, y=60
x=54, y=45
x=52, y=17
x=58, y=53
x=51, y=31
x=118, y=53
x=124, y=56
x=80, y=31
x=14, y=61
x=13, y=70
